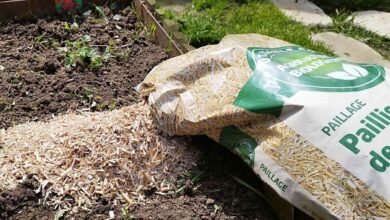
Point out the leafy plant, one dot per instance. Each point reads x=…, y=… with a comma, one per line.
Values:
x=44, y=41
x=81, y=52
x=101, y=13
x=71, y=27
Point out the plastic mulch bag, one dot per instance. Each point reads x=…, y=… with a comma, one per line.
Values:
x=315, y=128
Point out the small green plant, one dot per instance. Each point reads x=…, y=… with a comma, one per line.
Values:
x=81, y=52
x=41, y=39
x=135, y=36
x=126, y=214
x=44, y=41
x=169, y=14
x=5, y=104
x=100, y=12
x=71, y=27
x=151, y=30
x=87, y=93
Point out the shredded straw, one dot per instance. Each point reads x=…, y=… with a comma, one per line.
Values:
x=111, y=155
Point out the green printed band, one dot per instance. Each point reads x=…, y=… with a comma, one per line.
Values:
x=279, y=73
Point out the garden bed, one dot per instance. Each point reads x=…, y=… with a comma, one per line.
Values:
x=39, y=79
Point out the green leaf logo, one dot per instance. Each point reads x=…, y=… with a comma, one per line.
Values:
x=351, y=72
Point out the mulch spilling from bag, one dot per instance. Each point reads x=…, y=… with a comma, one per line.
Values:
x=81, y=159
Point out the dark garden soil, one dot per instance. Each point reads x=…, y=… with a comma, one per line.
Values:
x=35, y=84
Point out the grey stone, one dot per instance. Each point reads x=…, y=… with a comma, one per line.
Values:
x=177, y=6
x=351, y=49
x=303, y=11
x=152, y=3
x=179, y=36
x=375, y=21
x=170, y=25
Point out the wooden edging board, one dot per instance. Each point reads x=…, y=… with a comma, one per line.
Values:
x=161, y=36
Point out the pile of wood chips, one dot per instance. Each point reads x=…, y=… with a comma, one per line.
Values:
x=111, y=155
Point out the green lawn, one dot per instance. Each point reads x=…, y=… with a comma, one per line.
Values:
x=209, y=21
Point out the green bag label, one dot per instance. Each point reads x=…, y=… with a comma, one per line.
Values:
x=240, y=143
x=279, y=73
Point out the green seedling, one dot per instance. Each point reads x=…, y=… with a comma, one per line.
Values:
x=193, y=177
x=126, y=214
x=87, y=93
x=15, y=79
x=71, y=27
x=112, y=105
x=5, y=105
x=81, y=52
x=135, y=36
x=151, y=30
x=41, y=40
x=100, y=13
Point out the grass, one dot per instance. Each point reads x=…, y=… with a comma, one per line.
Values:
x=209, y=21
x=343, y=23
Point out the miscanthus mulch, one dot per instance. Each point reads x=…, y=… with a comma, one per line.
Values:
x=113, y=155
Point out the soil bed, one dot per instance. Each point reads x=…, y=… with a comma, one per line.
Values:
x=34, y=83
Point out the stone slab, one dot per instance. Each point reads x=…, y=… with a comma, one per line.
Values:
x=177, y=6
x=303, y=11
x=375, y=21
x=351, y=49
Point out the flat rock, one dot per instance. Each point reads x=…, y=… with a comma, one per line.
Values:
x=351, y=49
x=178, y=6
x=375, y=21
x=303, y=11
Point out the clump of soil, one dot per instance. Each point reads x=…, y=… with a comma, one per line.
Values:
x=34, y=82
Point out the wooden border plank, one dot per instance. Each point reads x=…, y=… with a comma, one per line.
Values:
x=160, y=35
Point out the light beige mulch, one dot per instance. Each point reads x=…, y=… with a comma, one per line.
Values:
x=113, y=155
